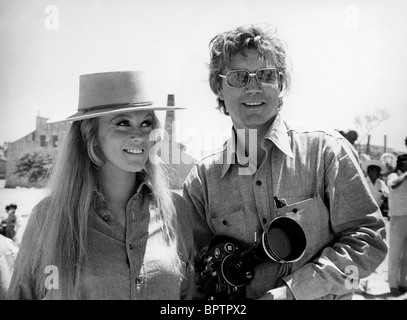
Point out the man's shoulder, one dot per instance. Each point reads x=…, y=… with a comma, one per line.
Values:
x=213, y=158
x=311, y=129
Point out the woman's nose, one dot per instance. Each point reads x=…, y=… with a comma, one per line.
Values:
x=136, y=135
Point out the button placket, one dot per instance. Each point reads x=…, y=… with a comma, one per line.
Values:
x=260, y=194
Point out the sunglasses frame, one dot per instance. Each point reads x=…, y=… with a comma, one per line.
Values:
x=250, y=75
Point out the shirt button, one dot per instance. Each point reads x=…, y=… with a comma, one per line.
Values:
x=107, y=218
x=258, y=182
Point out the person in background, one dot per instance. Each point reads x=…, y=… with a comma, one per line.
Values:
x=8, y=254
x=378, y=187
x=10, y=221
x=110, y=227
x=3, y=222
x=397, y=183
x=271, y=168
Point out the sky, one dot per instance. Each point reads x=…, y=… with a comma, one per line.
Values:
x=348, y=59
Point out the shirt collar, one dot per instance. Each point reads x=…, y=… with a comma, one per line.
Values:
x=98, y=197
x=277, y=134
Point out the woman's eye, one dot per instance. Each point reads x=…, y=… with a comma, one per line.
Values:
x=123, y=123
x=147, y=123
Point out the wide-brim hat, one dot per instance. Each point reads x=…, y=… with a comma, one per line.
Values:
x=112, y=92
x=368, y=163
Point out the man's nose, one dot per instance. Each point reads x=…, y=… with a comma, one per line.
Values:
x=253, y=85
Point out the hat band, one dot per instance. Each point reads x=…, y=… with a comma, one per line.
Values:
x=109, y=106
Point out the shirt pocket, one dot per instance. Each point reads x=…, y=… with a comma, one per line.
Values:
x=313, y=217
x=231, y=224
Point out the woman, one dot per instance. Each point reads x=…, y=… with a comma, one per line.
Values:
x=110, y=227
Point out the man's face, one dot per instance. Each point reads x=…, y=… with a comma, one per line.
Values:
x=373, y=172
x=403, y=165
x=253, y=106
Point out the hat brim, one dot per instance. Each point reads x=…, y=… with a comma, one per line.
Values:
x=369, y=163
x=81, y=115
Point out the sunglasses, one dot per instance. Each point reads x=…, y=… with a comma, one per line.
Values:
x=240, y=78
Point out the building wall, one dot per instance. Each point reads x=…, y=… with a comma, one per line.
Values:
x=2, y=169
x=46, y=139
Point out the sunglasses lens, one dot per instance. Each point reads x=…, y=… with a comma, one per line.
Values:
x=237, y=79
x=267, y=76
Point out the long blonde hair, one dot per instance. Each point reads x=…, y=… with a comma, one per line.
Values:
x=62, y=240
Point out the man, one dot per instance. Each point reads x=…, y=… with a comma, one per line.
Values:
x=374, y=170
x=270, y=169
x=398, y=227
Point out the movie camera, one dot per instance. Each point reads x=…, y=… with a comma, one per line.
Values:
x=225, y=269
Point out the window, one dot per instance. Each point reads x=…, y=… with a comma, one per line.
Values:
x=43, y=141
x=55, y=141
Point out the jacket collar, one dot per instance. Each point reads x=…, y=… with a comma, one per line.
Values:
x=277, y=134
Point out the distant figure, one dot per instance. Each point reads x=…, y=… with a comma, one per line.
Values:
x=8, y=254
x=398, y=227
x=374, y=170
x=10, y=231
x=3, y=223
x=352, y=136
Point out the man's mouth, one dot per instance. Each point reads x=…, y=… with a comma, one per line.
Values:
x=253, y=103
x=134, y=151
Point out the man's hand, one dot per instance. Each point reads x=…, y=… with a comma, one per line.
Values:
x=280, y=293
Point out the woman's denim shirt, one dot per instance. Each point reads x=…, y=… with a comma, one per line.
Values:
x=316, y=175
x=131, y=263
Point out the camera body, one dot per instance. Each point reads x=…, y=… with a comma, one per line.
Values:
x=225, y=269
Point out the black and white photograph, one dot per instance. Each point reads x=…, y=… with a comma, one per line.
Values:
x=203, y=150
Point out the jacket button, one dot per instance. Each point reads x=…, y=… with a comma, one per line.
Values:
x=131, y=247
x=107, y=218
x=258, y=182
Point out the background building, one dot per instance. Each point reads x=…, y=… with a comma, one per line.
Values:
x=45, y=140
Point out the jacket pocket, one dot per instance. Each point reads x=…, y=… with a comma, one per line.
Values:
x=313, y=217
x=231, y=224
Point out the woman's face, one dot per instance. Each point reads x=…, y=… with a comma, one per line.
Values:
x=123, y=139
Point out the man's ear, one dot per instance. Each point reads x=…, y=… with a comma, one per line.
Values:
x=280, y=82
x=220, y=94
